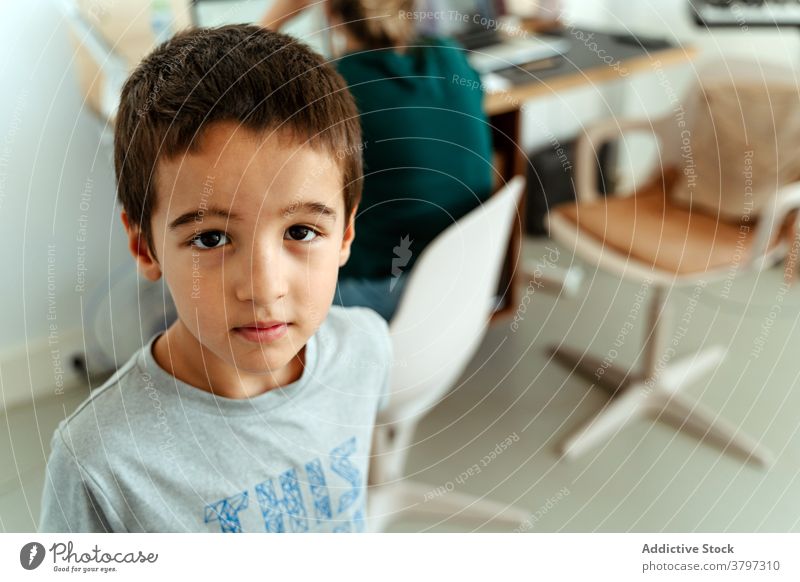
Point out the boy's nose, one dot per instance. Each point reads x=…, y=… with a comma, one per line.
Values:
x=262, y=278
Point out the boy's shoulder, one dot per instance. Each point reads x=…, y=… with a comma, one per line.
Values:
x=355, y=334
x=103, y=407
x=348, y=320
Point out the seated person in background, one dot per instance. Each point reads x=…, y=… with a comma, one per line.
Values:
x=254, y=411
x=427, y=143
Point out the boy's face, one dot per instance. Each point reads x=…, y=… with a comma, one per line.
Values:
x=249, y=233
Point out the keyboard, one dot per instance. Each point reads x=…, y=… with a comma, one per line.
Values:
x=746, y=12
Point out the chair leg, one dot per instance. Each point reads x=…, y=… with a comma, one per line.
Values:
x=390, y=446
x=596, y=371
x=631, y=403
x=690, y=368
x=657, y=391
x=698, y=420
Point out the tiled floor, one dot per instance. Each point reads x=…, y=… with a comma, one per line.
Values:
x=646, y=478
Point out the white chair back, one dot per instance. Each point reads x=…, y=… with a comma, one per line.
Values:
x=447, y=304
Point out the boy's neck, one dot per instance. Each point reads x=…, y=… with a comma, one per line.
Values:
x=179, y=353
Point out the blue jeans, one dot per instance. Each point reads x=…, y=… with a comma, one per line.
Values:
x=378, y=294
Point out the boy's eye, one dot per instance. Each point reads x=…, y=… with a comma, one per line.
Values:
x=301, y=233
x=210, y=240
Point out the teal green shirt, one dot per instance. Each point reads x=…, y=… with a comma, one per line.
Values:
x=427, y=150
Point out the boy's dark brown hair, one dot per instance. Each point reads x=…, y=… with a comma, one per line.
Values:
x=263, y=80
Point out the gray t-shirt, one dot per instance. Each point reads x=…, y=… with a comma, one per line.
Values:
x=149, y=453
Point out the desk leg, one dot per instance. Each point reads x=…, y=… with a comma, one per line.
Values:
x=510, y=161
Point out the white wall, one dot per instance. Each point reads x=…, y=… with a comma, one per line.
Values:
x=50, y=158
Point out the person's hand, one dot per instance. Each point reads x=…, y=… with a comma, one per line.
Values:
x=283, y=11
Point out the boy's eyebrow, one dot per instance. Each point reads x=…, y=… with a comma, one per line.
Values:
x=319, y=208
x=195, y=216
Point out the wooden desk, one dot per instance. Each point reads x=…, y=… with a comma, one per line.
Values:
x=579, y=67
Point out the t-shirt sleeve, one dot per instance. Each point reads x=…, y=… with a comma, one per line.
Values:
x=71, y=502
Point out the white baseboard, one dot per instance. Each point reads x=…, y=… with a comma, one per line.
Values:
x=42, y=368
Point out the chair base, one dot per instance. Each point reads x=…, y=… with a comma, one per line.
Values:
x=412, y=498
x=636, y=396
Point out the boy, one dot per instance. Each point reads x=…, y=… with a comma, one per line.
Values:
x=237, y=158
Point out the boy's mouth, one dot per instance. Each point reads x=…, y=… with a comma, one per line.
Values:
x=260, y=332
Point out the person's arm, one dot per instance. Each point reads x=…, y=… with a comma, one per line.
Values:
x=282, y=11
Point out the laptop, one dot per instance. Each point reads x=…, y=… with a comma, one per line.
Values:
x=493, y=45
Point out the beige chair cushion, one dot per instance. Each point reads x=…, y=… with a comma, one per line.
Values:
x=740, y=143
x=661, y=234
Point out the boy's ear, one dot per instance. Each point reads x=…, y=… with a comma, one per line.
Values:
x=349, y=235
x=147, y=263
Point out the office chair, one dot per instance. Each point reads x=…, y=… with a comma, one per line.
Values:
x=686, y=228
x=439, y=324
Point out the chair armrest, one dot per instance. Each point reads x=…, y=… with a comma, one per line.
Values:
x=772, y=218
x=590, y=143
